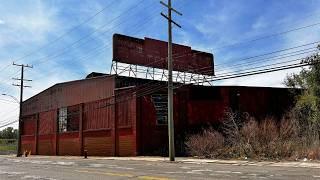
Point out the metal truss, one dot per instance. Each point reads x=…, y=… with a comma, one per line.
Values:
x=144, y=72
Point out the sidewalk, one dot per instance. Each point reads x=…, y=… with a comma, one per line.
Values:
x=305, y=164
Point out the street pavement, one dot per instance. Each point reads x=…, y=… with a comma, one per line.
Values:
x=149, y=168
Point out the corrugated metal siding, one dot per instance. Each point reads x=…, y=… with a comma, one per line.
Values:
x=47, y=122
x=29, y=125
x=46, y=145
x=98, y=114
x=202, y=112
x=153, y=53
x=126, y=122
x=127, y=145
x=28, y=144
x=69, y=144
x=126, y=109
x=153, y=137
x=47, y=133
x=99, y=143
x=69, y=94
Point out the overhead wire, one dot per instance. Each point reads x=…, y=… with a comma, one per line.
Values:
x=62, y=35
x=8, y=124
x=67, y=49
x=69, y=31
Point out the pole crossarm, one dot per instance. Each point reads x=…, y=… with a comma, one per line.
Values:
x=171, y=8
x=24, y=65
x=20, y=85
x=165, y=16
x=18, y=79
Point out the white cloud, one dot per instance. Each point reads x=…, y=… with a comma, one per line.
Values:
x=2, y=22
x=31, y=25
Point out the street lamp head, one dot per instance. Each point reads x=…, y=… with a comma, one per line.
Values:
x=4, y=94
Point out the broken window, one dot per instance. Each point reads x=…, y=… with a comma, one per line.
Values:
x=63, y=117
x=160, y=102
x=68, y=119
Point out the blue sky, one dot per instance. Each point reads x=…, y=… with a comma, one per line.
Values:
x=208, y=25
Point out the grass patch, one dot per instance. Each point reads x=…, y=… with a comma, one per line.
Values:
x=8, y=147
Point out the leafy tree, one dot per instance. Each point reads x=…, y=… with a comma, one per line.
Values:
x=307, y=107
x=9, y=133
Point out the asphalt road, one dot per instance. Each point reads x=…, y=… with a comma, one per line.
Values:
x=77, y=168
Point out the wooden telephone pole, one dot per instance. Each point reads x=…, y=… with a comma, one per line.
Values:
x=20, y=102
x=170, y=83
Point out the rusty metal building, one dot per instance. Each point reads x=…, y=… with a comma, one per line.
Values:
x=112, y=115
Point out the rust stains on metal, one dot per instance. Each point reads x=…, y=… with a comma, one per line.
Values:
x=153, y=53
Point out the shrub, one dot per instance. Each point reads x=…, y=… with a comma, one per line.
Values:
x=242, y=136
x=207, y=144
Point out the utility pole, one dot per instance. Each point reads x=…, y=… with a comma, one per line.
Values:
x=170, y=83
x=21, y=99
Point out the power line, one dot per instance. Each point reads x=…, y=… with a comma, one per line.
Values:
x=268, y=36
x=102, y=48
x=62, y=35
x=69, y=31
x=260, y=55
x=67, y=49
x=2, y=126
x=303, y=51
x=5, y=100
x=265, y=60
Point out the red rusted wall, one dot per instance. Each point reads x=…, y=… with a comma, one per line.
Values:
x=47, y=133
x=197, y=106
x=28, y=135
x=96, y=95
x=47, y=144
x=126, y=123
x=152, y=137
x=98, y=114
x=99, y=142
x=259, y=101
x=69, y=94
x=206, y=105
x=28, y=144
x=153, y=53
x=47, y=122
x=68, y=144
x=98, y=127
x=129, y=127
x=29, y=125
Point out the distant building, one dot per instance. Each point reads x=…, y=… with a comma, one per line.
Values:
x=114, y=115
